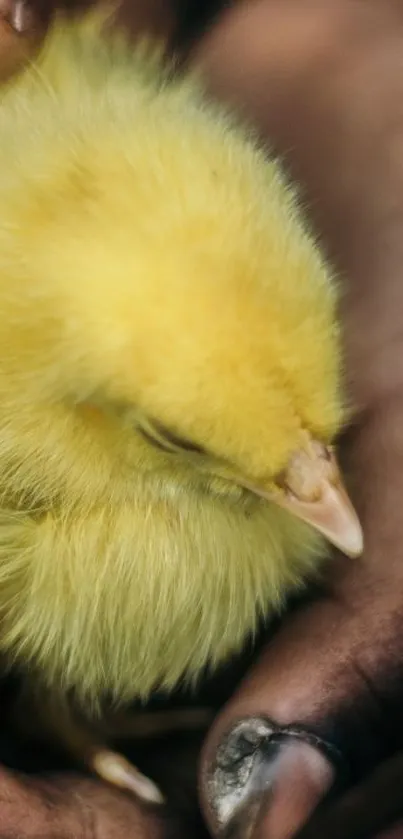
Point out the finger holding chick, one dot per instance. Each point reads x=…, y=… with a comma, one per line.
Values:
x=67, y=805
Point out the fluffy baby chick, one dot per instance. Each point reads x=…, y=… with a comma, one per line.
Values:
x=169, y=381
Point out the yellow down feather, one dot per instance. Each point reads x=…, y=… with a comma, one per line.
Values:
x=155, y=271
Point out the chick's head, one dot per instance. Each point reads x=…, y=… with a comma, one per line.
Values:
x=196, y=306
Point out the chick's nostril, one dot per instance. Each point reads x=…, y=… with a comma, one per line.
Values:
x=264, y=774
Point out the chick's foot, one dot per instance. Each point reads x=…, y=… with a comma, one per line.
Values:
x=55, y=721
x=115, y=769
x=87, y=742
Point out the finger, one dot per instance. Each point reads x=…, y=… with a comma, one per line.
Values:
x=272, y=787
x=18, y=14
x=67, y=806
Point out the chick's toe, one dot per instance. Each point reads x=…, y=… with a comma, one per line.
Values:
x=118, y=771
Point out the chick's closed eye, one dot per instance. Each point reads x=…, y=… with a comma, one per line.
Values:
x=168, y=440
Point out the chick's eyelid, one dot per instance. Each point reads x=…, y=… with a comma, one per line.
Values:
x=153, y=440
x=167, y=440
x=178, y=442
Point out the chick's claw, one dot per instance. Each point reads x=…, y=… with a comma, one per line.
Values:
x=52, y=718
x=118, y=771
x=114, y=768
x=86, y=744
x=44, y=716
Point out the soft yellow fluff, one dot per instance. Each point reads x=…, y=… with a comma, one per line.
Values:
x=154, y=268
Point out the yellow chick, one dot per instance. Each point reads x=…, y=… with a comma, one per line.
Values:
x=169, y=380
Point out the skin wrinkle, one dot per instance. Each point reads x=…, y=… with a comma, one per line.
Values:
x=89, y=820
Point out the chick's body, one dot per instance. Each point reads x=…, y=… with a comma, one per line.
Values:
x=155, y=274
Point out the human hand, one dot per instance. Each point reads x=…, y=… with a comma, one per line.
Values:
x=324, y=84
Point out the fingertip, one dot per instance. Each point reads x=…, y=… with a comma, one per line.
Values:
x=264, y=781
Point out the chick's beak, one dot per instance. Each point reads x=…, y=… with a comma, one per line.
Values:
x=313, y=491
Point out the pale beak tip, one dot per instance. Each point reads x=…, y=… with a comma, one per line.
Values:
x=352, y=543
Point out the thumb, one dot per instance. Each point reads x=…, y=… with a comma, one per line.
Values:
x=305, y=719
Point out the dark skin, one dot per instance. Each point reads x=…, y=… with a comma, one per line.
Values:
x=70, y=807
x=323, y=81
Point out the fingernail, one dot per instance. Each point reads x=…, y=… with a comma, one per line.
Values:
x=266, y=780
